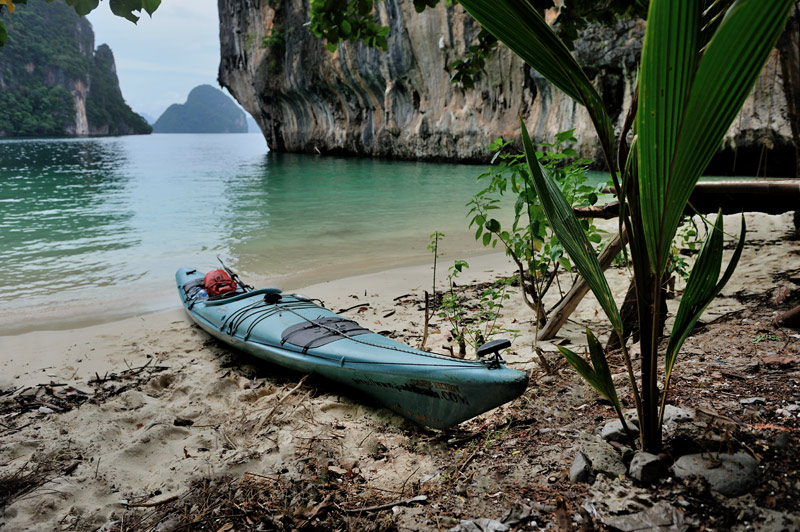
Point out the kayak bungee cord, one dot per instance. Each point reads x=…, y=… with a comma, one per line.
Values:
x=468, y=364
x=263, y=309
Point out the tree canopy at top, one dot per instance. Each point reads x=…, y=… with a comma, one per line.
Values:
x=127, y=9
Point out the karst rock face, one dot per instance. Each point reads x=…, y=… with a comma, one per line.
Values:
x=401, y=103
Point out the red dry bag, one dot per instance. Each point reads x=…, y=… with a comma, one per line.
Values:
x=218, y=282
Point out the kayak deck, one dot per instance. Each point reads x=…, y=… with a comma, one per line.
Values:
x=296, y=333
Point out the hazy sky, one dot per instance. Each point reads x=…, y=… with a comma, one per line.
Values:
x=160, y=60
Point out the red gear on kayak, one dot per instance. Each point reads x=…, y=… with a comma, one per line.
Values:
x=218, y=282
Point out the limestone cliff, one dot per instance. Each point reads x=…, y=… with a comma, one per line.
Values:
x=54, y=83
x=401, y=104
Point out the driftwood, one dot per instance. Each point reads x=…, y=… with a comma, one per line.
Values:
x=562, y=311
x=770, y=197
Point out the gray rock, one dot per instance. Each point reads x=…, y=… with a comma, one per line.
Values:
x=674, y=414
x=581, y=469
x=547, y=379
x=749, y=401
x=661, y=517
x=603, y=457
x=781, y=440
x=728, y=474
x=613, y=431
x=645, y=468
x=480, y=525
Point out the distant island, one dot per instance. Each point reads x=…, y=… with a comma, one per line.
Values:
x=54, y=83
x=207, y=110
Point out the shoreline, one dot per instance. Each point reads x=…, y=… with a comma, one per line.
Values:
x=65, y=316
x=167, y=406
x=57, y=346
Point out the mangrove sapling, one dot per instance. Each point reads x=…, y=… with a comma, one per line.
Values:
x=699, y=62
x=433, y=247
x=530, y=242
x=452, y=310
x=488, y=311
x=473, y=323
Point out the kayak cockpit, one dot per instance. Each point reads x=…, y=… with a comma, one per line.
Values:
x=238, y=296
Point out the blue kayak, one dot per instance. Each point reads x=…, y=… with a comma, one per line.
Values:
x=294, y=332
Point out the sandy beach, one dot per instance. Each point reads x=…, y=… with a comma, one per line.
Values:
x=170, y=406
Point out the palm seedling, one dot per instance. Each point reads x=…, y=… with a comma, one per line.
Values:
x=699, y=62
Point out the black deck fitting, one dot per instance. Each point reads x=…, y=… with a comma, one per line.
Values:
x=495, y=346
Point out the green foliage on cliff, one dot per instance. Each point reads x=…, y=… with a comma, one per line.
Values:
x=105, y=106
x=42, y=111
x=354, y=20
x=49, y=61
x=346, y=20
x=207, y=110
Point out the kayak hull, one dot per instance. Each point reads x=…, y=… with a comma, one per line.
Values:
x=293, y=332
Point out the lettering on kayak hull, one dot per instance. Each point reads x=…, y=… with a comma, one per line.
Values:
x=426, y=388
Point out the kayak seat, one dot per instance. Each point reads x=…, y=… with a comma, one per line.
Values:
x=234, y=296
x=316, y=333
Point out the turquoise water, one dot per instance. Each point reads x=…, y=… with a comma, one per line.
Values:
x=111, y=219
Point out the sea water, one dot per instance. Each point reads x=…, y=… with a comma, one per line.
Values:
x=93, y=229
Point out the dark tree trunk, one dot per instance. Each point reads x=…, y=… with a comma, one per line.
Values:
x=789, y=48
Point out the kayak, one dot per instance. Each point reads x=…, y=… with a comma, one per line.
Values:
x=295, y=332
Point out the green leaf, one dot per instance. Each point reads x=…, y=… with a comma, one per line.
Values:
x=83, y=7
x=570, y=233
x=150, y=6
x=701, y=288
x=602, y=370
x=459, y=265
x=583, y=368
x=687, y=100
x=345, y=26
x=599, y=376
x=125, y=8
x=493, y=225
x=3, y=34
x=668, y=59
x=487, y=237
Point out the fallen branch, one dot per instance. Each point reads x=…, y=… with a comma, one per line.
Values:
x=467, y=461
x=154, y=503
x=280, y=401
x=388, y=505
x=354, y=306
